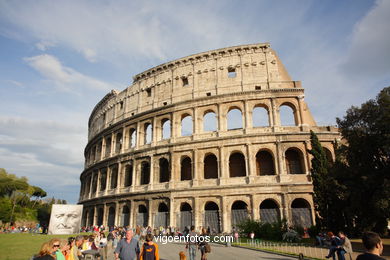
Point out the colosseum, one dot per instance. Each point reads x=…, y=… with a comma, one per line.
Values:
x=206, y=140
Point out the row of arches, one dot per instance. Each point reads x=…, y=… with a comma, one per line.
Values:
x=113, y=143
x=270, y=212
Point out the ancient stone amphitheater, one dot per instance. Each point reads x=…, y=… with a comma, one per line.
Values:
x=206, y=140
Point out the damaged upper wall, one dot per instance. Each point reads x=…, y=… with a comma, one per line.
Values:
x=237, y=69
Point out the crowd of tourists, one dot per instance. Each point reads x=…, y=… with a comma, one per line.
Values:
x=120, y=243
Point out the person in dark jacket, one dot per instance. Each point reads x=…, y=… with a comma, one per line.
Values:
x=373, y=243
x=149, y=250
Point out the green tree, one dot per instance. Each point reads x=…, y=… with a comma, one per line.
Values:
x=366, y=168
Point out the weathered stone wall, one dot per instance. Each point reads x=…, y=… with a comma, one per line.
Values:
x=271, y=160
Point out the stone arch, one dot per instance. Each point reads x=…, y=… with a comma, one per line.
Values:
x=91, y=216
x=301, y=213
x=329, y=155
x=165, y=128
x=164, y=170
x=186, y=219
x=294, y=161
x=234, y=118
x=108, y=146
x=94, y=182
x=132, y=137
x=142, y=216
x=125, y=218
x=103, y=179
x=162, y=215
x=114, y=176
x=111, y=216
x=186, y=168
x=265, y=164
x=210, y=166
x=145, y=173
x=237, y=166
x=288, y=114
x=269, y=211
x=148, y=133
x=128, y=175
x=186, y=125
x=212, y=217
x=100, y=215
x=118, y=142
x=210, y=121
x=260, y=116
x=239, y=212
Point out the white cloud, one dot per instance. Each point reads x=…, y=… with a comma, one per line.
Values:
x=369, y=53
x=44, y=45
x=64, y=77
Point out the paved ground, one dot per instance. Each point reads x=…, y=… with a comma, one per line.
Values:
x=171, y=251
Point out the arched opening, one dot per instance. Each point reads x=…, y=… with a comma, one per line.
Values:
x=287, y=115
x=100, y=217
x=166, y=129
x=239, y=212
x=125, y=218
x=237, y=165
x=210, y=167
x=294, y=161
x=118, y=142
x=133, y=137
x=128, y=175
x=186, y=125
x=234, y=119
x=185, y=216
x=90, y=218
x=114, y=177
x=301, y=213
x=162, y=216
x=269, y=211
x=211, y=217
x=142, y=216
x=260, y=117
x=210, y=122
x=103, y=179
x=94, y=182
x=265, y=163
x=148, y=133
x=145, y=173
x=186, y=169
x=99, y=151
x=329, y=156
x=111, y=217
x=164, y=170
x=108, y=146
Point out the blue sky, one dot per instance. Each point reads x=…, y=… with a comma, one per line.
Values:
x=59, y=58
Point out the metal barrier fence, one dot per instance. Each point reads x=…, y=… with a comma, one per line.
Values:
x=286, y=248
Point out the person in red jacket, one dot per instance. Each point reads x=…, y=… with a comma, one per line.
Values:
x=149, y=250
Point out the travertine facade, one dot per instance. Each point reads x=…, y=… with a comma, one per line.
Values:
x=184, y=145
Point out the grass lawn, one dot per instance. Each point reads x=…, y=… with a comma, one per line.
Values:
x=23, y=246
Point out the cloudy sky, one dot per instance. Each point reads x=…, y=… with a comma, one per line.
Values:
x=59, y=58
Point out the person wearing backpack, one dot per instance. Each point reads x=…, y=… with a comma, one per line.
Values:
x=149, y=250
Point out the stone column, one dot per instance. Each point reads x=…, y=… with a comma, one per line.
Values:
x=105, y=215
x=123, y=140
x=306, y=157
x=95, y=216
x=221, y=119
x=133, y=217
x=134, y=175
x=255, y=208
x=275, y=114
x=103, y=151
x=280, y=158
x=197, y=213
x=195, y=167
x=151, y=174
x=150, y=213
x=98, y=182
x=154, y=131
x=172, y=216
x=196, y=122
x=225, y=215
x=91, y=185
x=247, y=116
x=223, y=166
x=285, y=208
x=299, y=111
x=138, y=136
x=118, y=180
x=117, y=209
x=174, y=124
x=174, y=168
x=251, y=168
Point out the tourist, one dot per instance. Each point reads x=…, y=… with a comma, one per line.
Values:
x=47, y=251
x=127, y=248
x=192, y=243
x=149, y=250
x=374, y=246
x=345, y=247
x=78, y=243
x=63, y=250
x=334, y=245
x=71, y=243
x=203, y=245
